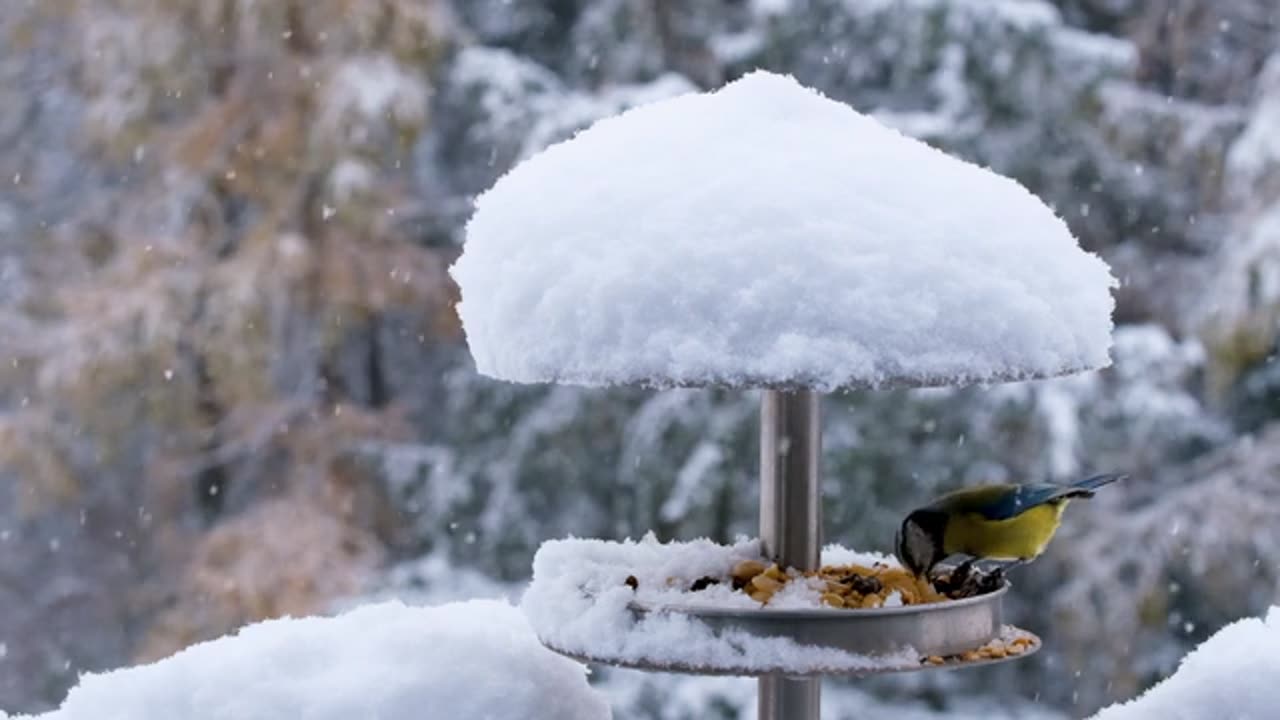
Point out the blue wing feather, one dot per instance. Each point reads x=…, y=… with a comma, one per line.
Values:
x=1019, y=499
x=1001, y=502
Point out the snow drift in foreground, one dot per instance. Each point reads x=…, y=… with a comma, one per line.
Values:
x=764, y=234
x=475, y=659
x=1234, y=675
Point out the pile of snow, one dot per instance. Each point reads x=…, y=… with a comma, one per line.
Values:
x=1234, y=675
x=476, y=659
x=580, y=602
x=766, y=235
x=664, y=572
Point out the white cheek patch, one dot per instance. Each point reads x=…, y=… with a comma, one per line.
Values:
x=919, y=544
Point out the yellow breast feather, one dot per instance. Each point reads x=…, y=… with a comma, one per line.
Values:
x=1021, y=537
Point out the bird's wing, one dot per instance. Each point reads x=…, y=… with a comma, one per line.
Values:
x=1097, y=481
x=1001, y=502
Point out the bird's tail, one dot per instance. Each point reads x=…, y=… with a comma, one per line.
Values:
x=1086, y=487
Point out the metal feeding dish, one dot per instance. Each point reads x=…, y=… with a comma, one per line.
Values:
x=958, y=633
x=709, y=626
x=939, y=629
x=1008, y=643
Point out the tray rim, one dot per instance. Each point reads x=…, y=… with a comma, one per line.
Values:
x=828, y=613
x=948, y=663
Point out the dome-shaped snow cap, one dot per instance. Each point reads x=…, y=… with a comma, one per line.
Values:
x=764, y=235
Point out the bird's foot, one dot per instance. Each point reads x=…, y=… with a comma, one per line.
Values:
x=993, y=580
x=973, y=577
x=958, y=582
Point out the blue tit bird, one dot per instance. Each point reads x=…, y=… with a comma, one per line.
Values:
x=989, y=522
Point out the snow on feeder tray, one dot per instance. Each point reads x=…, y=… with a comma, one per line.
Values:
x=690, y=607
x=765, y=237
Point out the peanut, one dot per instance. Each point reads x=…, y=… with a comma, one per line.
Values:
x=838, y=588
x=776, y=573
x=766, y=583
x=747, y=569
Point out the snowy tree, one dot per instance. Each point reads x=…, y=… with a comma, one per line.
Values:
x=209, y=330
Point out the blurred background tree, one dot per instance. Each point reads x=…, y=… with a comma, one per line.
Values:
x=232, y=386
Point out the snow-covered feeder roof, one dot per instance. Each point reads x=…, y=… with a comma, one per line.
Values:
x=764, y=235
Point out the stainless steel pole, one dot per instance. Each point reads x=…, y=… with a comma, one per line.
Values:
x=790, y=521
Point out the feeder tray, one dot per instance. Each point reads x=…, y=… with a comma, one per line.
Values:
x=943, y=628
x=721, y=633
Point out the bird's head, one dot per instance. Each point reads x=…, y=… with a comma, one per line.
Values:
x=919, y=541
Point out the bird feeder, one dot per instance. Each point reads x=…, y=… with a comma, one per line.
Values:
x=766, y=238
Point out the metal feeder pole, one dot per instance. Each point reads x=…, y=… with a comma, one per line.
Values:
x=790, y=521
